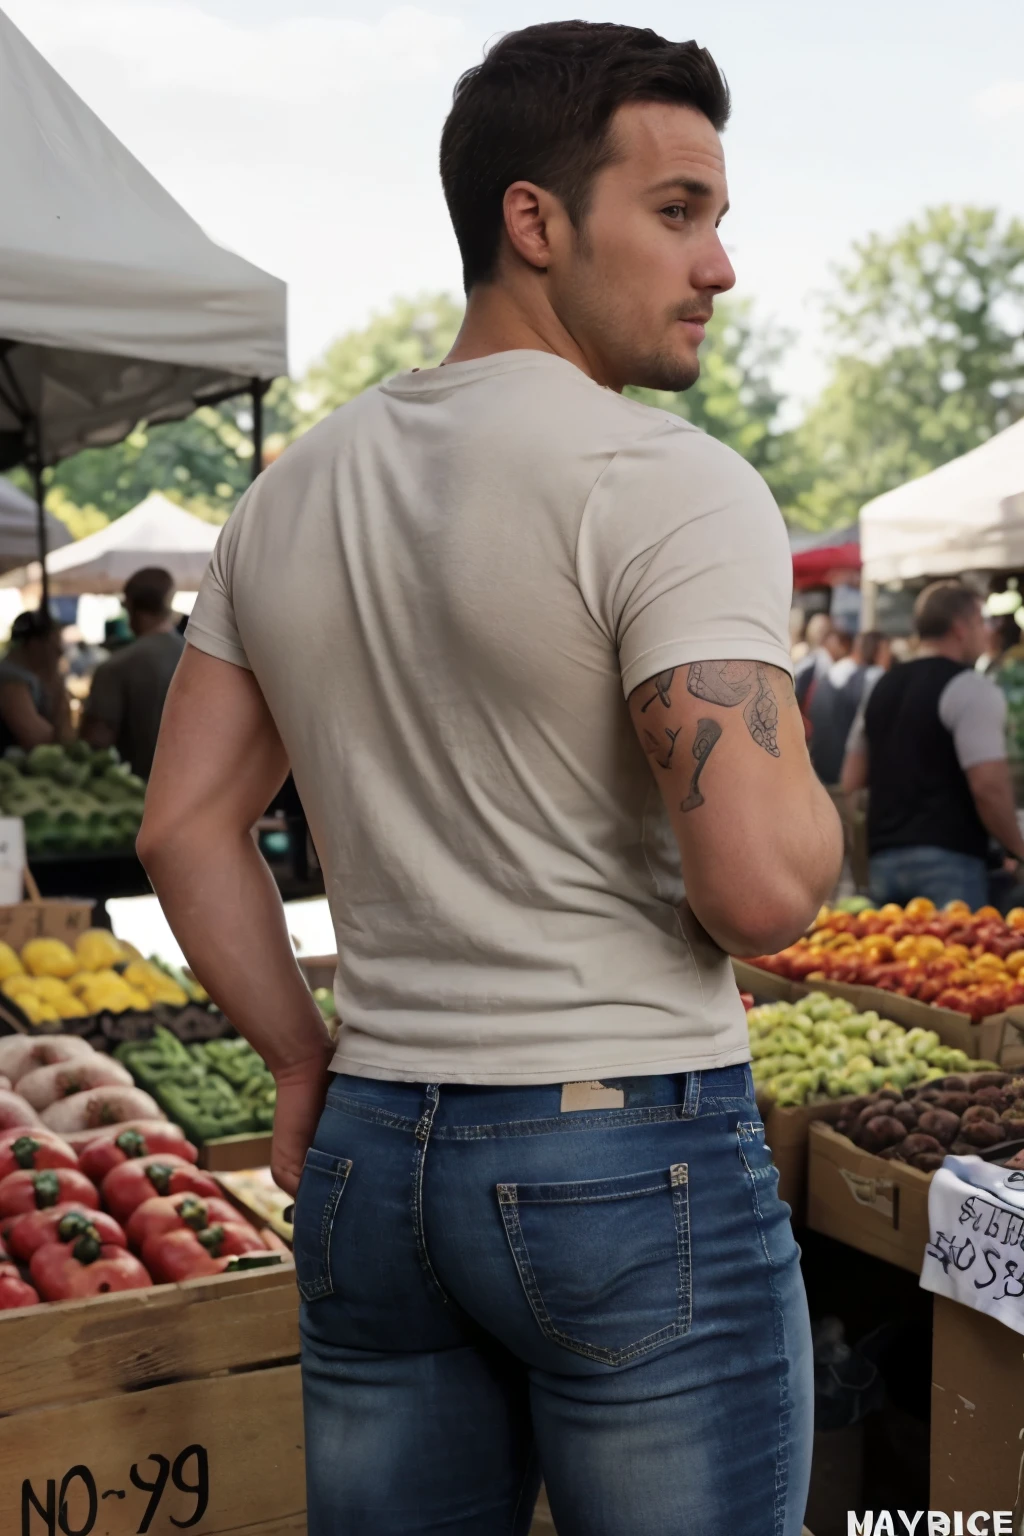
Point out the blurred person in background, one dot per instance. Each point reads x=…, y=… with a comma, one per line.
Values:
x=126, y=702
x=34, y=707
x=835, y=699
x=1004, y=644
x=932, y=753
x=817, y=657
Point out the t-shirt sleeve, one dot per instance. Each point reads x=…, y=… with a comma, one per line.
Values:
x=683, y=556
x=106, y=697
x=212, y=627
x=973, y=710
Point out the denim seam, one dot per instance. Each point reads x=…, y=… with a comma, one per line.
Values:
x=315, y=1289
x=627, y=1194
x=509, y=1207
x=605, y=1120
x=423, y=1128
x=527, y=1473
x=341, y=1104
x=778, y=1329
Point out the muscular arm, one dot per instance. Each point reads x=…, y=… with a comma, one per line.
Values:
x=218, y=765
x=760, y=841
x=28, y=727
x=992, y=789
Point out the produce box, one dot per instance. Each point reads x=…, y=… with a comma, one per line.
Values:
x=231, y=1154
x=982, y=1042
x=171, y=1408
x=39, y=919
x=786, y=1131
x=866, y=1201
x=975, y=1423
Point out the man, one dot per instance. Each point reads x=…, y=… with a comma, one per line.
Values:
x=932, y=753
x=832, y=706
x=538, y=1223
x=817, y=658
x=126, y=700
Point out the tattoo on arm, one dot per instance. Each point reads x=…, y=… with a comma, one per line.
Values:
x=662, y=755
x=708, y=732
x=662, y=690
x=729, y=683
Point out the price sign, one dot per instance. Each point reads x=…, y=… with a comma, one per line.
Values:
x=73, y=1505
x=12, y=859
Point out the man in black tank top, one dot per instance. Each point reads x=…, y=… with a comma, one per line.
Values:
x=932, y=751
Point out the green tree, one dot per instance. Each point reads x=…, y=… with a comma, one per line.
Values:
x=413, y=333
x=736, y=398
x=203, y=462
x=929, y=359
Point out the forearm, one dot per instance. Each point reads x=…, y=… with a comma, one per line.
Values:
x=225, y=911
x=998, y=813
x=762, y=882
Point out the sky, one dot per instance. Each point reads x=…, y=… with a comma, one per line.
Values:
x=303, y=133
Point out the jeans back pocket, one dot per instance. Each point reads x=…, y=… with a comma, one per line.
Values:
x=320, y=1189
x=605, y=1263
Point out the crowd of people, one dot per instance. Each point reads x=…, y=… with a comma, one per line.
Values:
x=923, y=733
x=128, y=684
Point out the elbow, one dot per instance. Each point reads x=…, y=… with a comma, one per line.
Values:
x=763, y=927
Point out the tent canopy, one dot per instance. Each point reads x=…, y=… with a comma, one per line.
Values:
x=114, y=305
x=19, y=534
x=965, y=516
x=156, y=532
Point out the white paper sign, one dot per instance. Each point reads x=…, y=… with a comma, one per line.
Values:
x=975, y=1253
x=12, y=860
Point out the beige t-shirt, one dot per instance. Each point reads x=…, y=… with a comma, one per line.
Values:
x=446, y=592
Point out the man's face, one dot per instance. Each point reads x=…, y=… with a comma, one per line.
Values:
x=635, y=286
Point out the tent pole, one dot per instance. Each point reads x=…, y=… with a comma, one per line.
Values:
x=259, y=389
x=36, y=464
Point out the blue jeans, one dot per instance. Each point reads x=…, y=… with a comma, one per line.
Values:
x=897, y=874
x=494, y=1289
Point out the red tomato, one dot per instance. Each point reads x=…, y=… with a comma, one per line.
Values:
x=162, y=1173
x=14, y=1291
x=29, y=1190
x=37, y=1228
x=108, y=1152
x=170, y=1213
x=184, y=1254
x=27, y=1150
x=85, y=1267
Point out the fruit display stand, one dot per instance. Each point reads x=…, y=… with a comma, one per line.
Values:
x=983, y=1041
x=171, y=1408
x=871, y=1203
x=977, y=1377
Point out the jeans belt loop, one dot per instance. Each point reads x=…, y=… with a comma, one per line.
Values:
x=691, y=1099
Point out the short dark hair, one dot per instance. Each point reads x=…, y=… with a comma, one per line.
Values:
x=939, y=607
x=150, y=591
x=33, y=624
x=538, y=108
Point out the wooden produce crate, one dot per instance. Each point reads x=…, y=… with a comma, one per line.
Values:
x=975, y=1425
x=866, y=1201
x=982, y=1042
x=39, y=919
x=787, y=1131
x=230, y=1154
x=156, y=1410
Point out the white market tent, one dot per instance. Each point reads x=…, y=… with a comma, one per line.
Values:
x=19, y=534
x=967, y=515
x=114, y=305
x=156, y=532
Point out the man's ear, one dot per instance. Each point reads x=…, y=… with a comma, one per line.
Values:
x=529, y=215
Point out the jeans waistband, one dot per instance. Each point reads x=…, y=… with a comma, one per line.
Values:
x=464, y=1112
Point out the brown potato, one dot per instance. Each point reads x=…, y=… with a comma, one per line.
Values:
x=1013, y=1127
x=882, y=1131
x=956, y=1103
x=989, y=1080
x=927, y=1162
x=982, y=1133
x=918, y=1143
x=978, y=1112
x=940, y=1124
x=996, y=1098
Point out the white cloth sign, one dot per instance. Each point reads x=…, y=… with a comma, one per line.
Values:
x=975, y=1253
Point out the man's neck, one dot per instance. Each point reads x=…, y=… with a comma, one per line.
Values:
x=500, y=318
x=950, y=649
